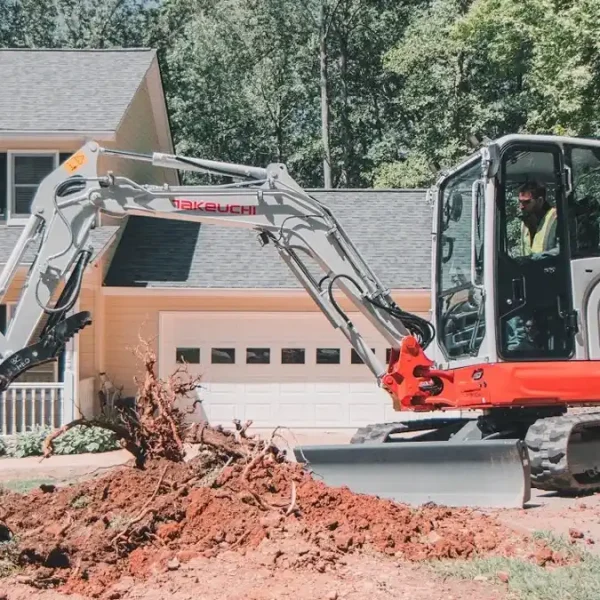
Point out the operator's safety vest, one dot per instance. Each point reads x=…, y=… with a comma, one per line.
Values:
x=540, y=239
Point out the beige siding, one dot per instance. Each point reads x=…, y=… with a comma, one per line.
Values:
x=90, y=339
x=14, y=289
x=128, y=317
x=87, y=337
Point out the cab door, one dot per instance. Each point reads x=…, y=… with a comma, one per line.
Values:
x=458, y=297
x=533, y=284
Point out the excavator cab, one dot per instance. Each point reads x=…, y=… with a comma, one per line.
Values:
x=509, y=282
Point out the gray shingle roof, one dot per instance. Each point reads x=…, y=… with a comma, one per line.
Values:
x=390, y=228
x=98, y=239
x=68, y=90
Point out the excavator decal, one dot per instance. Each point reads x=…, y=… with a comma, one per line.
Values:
x=234, y=209
x=74, y=162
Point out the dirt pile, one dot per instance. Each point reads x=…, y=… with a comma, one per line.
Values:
x=239, y=494
x=236, y=495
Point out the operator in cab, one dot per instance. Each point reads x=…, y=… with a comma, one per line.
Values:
x=538, y=229
x=538, y=240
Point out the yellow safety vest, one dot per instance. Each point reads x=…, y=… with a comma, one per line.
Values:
x=540, y=239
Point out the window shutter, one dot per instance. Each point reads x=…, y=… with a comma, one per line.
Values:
x=3, y=182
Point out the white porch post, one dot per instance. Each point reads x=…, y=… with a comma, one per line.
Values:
x=70, y=375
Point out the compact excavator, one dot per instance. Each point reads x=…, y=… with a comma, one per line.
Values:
x=512, y=343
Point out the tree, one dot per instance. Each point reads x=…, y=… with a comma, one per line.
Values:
x=28, y=24
x=492, y=67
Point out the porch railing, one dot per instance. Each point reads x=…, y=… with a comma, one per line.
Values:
x=25, y=405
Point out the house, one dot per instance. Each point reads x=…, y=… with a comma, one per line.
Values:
x=210, y=294
x=51, y=103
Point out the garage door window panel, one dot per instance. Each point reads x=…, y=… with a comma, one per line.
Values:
x=190, y=356
x=258, y=356
x=222, y=356
x=355, y=359
x=328, y=356
x=293, y=356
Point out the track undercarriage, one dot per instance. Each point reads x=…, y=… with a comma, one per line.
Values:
x=563, y=449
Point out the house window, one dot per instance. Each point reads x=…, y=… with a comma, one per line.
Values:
x=328, y=356
x=26, y=170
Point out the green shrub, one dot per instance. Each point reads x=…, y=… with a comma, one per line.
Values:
x=78, y=440
x=30, y=442
x=3, y=448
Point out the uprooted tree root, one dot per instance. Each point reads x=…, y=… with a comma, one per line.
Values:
x=85, y=536
x=156, y=427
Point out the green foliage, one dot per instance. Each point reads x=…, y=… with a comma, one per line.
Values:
x=79, y=440
x=30, y=442
x=243, y=77
x=414, y=172
x=3, y=448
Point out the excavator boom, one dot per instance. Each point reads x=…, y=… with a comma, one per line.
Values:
x=304, y=232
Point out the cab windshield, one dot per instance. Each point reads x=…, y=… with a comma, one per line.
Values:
x=460, y=306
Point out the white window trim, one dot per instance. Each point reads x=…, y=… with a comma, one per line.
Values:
x=21, y=219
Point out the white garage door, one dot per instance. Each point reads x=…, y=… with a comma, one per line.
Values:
x=289, y=369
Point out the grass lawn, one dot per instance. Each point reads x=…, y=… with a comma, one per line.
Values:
x=527, y=581
x=23, y=486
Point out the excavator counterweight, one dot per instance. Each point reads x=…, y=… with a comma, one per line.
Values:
x=512, y=342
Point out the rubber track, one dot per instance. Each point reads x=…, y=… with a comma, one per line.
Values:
x=378, y=432
x=547, y=444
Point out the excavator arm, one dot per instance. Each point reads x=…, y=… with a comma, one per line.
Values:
x=304, y=232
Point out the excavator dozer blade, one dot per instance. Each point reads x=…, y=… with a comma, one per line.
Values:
x=476, y=474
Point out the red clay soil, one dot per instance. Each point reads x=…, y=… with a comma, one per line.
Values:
x=132, y=523
x=231, y=576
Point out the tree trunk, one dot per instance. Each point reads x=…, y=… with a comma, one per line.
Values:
x=324, y=98
x=346, y=134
